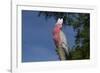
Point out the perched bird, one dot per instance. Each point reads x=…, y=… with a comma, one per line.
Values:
x=60, y=40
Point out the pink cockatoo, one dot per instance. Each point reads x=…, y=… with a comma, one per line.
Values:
x=60, y=40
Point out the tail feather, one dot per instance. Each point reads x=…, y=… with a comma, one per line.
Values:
x=65, y=47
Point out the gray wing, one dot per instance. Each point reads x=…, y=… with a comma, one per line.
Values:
x=64, y=42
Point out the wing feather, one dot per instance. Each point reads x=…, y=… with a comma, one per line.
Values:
x=64, y=42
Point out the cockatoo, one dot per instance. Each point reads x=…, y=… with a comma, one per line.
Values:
x=60, y=40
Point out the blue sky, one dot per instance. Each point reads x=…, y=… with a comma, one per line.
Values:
x=37, y=42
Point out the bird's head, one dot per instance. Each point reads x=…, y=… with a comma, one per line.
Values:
x=59, y=23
